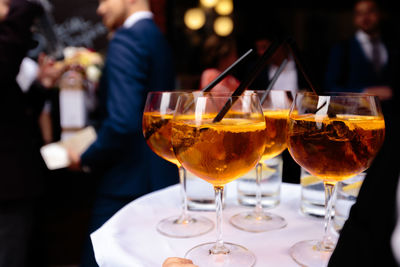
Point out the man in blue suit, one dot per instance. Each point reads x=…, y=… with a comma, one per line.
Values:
x=366, y=239
x=368, y=62
x=138, y=61
x=364, y=62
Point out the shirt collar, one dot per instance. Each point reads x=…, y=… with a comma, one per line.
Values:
x=135, y=17
x=363, y=37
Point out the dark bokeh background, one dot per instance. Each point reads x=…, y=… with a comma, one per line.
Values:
x=315, y=25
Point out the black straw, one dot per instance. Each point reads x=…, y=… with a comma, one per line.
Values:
x=271, y=84
x=227, y=71
x=300, y=63
x=260, y=65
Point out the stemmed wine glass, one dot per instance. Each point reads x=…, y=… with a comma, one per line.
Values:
x=276, y=106
x=157, y=116
x=334, y=137
x=219, y=151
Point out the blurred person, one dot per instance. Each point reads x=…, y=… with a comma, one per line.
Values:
x=288, y=79
x=368, y=61
x=21, y=183
x=35, y=78
x=362, y=63
x=138, y=60
x=218, y=54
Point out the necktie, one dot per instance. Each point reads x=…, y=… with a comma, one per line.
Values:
x=376, y=55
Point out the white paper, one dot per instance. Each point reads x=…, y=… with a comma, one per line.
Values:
x=55, y=155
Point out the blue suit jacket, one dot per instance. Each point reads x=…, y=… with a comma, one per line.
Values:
x=349, y=70
x=138, y=61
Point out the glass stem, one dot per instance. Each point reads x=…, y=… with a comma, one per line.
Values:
x=258, y=208
x=184, y=218
x=328, y=242
x=219, y=247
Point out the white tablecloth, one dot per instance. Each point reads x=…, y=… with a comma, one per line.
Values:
x=130, y=237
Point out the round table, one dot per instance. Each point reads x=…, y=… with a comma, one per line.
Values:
x=130, y=237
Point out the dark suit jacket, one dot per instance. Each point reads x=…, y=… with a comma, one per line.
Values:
x=365, y=239
x=349, y=70
x=20, y=161
x=138, y=61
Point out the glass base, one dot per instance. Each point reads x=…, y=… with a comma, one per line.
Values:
x=192, y=226
x=310, y=253
x=235, y=256
x=257, y=222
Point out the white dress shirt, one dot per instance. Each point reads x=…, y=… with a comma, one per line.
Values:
x=366, y=46
x=135, y=17
x=28, y=72
x=287, y=80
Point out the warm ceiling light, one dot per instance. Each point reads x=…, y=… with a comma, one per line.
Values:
x=208, y=3
x=223, y=26
x=224, y=7
x=194, y=18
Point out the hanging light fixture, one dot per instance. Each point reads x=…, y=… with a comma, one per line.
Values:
x=208, y=3
x=223, y=26
x=224, y=7
x=194, y=18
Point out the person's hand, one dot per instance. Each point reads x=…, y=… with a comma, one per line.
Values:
x=383, y=92
x=75, y=160
x=178, y=262
x=49, y=71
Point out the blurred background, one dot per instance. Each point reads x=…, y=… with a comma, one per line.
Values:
x=315, y=25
